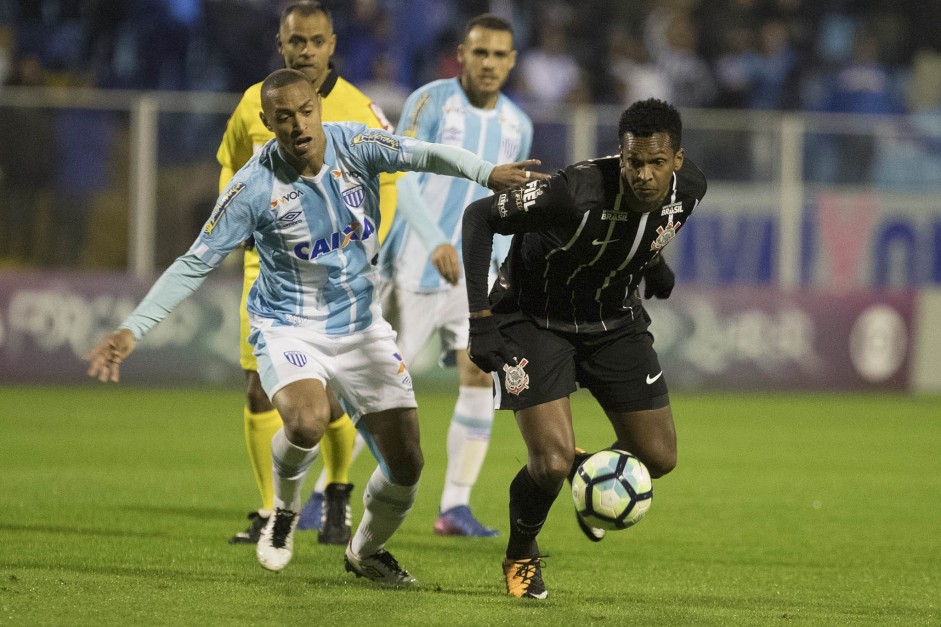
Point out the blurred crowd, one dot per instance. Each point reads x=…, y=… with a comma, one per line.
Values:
x=856, y=56
x=832, y=55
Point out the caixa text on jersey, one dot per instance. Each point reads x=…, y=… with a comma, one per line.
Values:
x=337, y=239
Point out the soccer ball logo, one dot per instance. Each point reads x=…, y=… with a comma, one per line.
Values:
x=612, y=489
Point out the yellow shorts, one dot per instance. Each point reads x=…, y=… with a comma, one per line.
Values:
x=250, y=272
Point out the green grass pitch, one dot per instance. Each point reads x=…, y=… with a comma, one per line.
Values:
x=116, y=503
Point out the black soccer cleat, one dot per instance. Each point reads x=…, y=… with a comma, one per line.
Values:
x=336, y=517
x=380, y=567
x=251, y=533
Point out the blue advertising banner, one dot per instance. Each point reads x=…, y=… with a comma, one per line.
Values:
x=848, y=240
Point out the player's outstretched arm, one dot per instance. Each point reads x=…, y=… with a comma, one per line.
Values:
x=176, y=283
x=512, y=174
x=105, y=357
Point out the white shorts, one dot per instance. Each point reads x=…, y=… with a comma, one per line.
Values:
x=365, y=369
x=420, y=314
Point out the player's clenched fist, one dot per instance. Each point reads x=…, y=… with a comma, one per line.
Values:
x=486, y=346
x=659, y=280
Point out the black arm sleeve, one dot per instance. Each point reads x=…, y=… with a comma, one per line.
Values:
x=534, y=206
x=476, y=249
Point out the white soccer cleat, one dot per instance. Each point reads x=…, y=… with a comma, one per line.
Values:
x=276, y=543
x=380, y=567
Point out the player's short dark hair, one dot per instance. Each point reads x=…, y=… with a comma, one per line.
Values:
x=305, y=8
x=282, y=78
x=646, y=117
x=488, y=21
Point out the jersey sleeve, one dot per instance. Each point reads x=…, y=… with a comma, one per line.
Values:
x=419, y=119
x=173, y=287
x=534, y=206
x=526, y=140
x=378, y=151
x=231, y=223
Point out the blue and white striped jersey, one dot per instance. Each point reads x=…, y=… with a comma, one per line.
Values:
x=316, y=236
x=440, y=112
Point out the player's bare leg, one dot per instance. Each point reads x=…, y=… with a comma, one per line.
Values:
x=305, y=409
x=327, y=509
x=650, y=435
x=389, y=495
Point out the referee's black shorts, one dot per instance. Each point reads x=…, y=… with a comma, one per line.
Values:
x=619, y=367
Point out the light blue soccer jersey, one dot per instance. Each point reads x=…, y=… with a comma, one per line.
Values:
x=316, y=236
x=440, y=112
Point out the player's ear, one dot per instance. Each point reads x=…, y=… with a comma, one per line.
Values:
x=460, y=54
x=678, y=159
x=264, y=120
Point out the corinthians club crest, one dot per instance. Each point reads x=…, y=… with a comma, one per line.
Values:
x=516, y=378
x=665, y=234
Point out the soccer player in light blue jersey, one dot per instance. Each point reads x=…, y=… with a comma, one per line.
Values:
x=310, y=199
x=467, y=111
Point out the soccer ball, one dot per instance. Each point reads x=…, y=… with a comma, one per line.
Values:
x=612, y=489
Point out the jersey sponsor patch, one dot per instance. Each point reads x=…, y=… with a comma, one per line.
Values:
x=671, y=209
x=526, y=196
x=516, y=379
x=376, y=137
x=294, y=194
x=221, y=206
x=336, y=240
x=615, y=216
x=501, y=205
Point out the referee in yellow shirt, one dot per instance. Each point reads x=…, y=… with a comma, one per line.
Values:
x=306, y=42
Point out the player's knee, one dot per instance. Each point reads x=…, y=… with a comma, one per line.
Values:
x=661, y=464
x=406, y=468
x=550, y=470
x=305, y=425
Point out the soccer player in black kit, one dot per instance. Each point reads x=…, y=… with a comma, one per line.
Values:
x=567, y=311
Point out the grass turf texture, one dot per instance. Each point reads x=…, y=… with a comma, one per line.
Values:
x=116, y=504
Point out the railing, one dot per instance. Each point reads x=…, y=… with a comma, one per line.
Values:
x=787, y=168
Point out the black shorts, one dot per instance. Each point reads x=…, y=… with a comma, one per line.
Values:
x=619, y=367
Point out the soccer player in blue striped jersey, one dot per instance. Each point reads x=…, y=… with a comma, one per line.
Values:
x=471, y=112
x=310, y=199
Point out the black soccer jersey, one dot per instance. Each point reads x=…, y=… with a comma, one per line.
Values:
x=578, y=252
